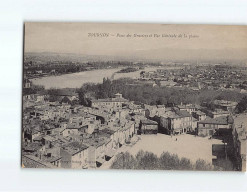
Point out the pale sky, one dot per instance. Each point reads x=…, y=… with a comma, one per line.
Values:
x=73, y=38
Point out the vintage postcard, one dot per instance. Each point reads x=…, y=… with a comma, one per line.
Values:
x=134, y=96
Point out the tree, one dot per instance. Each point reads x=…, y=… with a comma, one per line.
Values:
x=201, y=165
x=149, y=161
x=242, y=105
x=124, y=161
x=185, y=164
x=147, y=94
x=166, y=161
x=225, y=164
x=66, y=100
x=83, y=100
x=53, y=94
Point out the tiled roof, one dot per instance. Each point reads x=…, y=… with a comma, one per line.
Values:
x=200, y=112
x=49, y=138
x=74, y=147
x=51, y=159
x=149, y=122
x=30, y=161
x=176, y=114
x=96, y=142
x=38, y=138
x=32, y=147
x=107, y=131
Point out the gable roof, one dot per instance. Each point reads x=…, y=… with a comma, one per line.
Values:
x=49, y=138
x=183, y=113
x=175, y=113
x=74, y=147
x=221, y=120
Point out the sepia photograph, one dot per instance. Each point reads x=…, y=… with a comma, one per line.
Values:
x=134, y=96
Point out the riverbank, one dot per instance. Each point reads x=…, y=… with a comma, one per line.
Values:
x=76, y=80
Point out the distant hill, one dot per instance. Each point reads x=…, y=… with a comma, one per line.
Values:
x=165, y=54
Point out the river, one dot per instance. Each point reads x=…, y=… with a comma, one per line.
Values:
x=76, y=80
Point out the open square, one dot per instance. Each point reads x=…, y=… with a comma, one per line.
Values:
x=187, y=146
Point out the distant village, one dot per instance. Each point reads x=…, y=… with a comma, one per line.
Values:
x=215, y=77
x=57, y=134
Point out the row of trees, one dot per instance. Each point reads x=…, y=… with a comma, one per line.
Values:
x=61, y=68
x=33, y=89
x=150, y=161
x=146, y=93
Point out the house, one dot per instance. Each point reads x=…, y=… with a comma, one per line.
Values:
x=167, y=83
x=97, y=150
x=194, y=124
x=199, y=115
x=27, y=83
x=38, y=71
x=219, y=125
x=38, y=139
x=187, y=107
x=48, y=129
x=31, y=132
x=89, y=128
x=63, y=125
x=217, y=113
x=116, y=102
x=152, y=111
x=31, y=147
x=37, y=113
x=110, y=145
x=75, y=122
x=137, y=120
x=70, y=130
x=176, y=122
x=66, y=132
x=74, y=155
x=126, y=131
x=148, y=127
x=112, y=135
x=239, y=134
x=39, y=97
x=51, y=155
x=67, y=94
x=48, y=140
x=225, y=105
